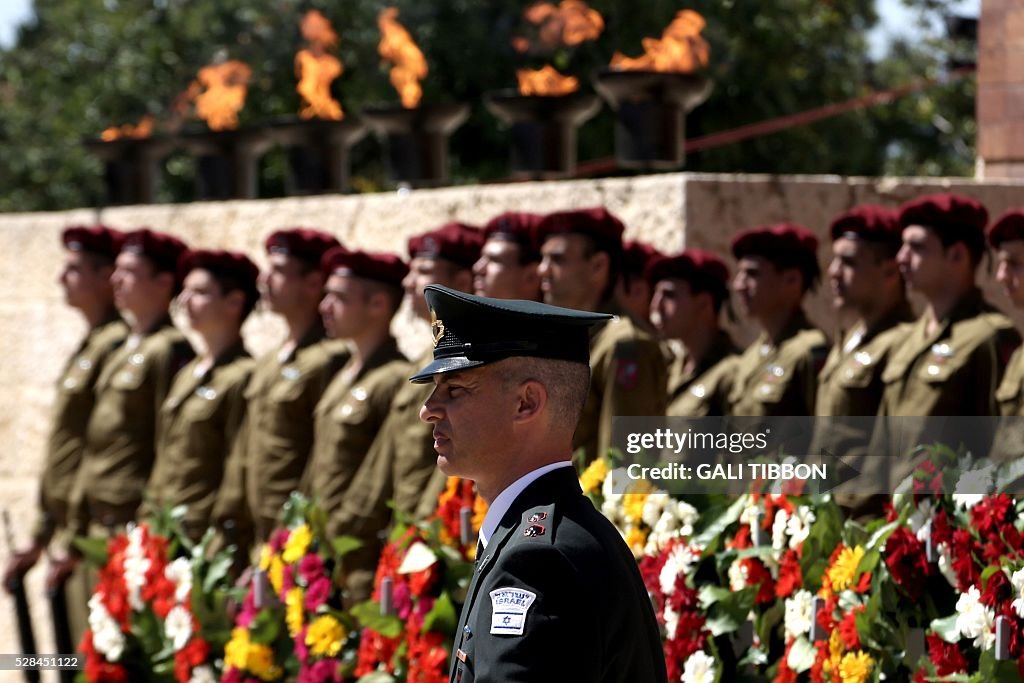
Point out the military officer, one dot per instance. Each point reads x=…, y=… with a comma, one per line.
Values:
x=952, y=358
x=581, y=262
x=399, y=467
x=556, y=594
x=121, y=435
x=272, y=453
x=507, y=267
x=690, y=289
x=777, y=374
x=89, y=253
x=364, y=290
x=204, y=410
x=633, y=292
x=1006, y=236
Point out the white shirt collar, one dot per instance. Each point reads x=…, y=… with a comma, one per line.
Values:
x=504, y=500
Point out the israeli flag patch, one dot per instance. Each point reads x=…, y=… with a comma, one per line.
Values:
x=508, y=610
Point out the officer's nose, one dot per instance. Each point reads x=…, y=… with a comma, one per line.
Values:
x=545, y=266
x=833, y=269
x=1002, y=273
x=903, y=256
x=430, y=411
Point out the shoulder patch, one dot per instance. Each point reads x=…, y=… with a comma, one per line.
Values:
x=509, y=607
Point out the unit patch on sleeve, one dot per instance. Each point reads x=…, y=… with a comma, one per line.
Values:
x=508, y=610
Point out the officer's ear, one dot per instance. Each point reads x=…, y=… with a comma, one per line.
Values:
x=236, y=300
x=600, y=266
x=531, y=401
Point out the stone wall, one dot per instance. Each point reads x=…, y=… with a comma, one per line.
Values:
x=669, y=210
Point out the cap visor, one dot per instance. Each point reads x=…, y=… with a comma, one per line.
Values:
x=442, y=365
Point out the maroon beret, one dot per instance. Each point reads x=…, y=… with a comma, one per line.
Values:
x=785, y=245
x=386, y=268
x=696, y=266
x=228, y=264
x=456, y=242
x=1009, y=227
x=597, y=223
x=638, y=256
x=163, y=250
x=518, y=227
x=868, y=222
x=952, y=217
x=304, y=244
x=94, y=239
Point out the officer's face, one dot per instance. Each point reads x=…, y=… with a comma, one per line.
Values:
x=345, y=307
x=86, y=282
x=674, y=308
x=570, y=271
x=499, y=274
x=288, y=285
x=427, y=270
x=137, y=284
x=855, y=273
x=923, y=261
x=468, y=411
x=760, y=286
x=1010, y=270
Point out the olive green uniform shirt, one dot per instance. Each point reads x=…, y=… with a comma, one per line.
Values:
x=69, y=419
x=954, y=370
x=704, y=390
x=278, y=436
x=348, y=418
x=628, y=377
x=199, y=423
x=121, y=435
x=1009, y=441
x=780, y=379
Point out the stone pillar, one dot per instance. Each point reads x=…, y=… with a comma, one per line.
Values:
x=1000, y=99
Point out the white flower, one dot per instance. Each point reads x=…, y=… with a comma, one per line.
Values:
x=799, y=614
x=680, y=560
x=136, y=564
x=799, y=526
x=671, y=621
x=687, y=516
x=699, y=668
x=974, y=620
x=180, y=572
x=653, y=508
x=779, y=529
x=107, y=637
x=751, y=513
x=973, y=486
x=737, y=575
x=1017, y=580
x=611, y=506
x=203, y=674
x=178, y=626
x=946, y=565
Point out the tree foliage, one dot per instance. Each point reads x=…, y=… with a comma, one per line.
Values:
x=82, y=65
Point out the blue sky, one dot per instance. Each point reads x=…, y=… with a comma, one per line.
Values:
x=896, y=20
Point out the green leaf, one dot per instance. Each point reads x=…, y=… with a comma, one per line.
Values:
x=266, y=626
x=442, y=616
x=719, y=525
x=219, y=568
x=94, y=550
x=343, y=545
x=368, y=614
x=946, y=628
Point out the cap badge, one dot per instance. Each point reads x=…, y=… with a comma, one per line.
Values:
x=436, y=328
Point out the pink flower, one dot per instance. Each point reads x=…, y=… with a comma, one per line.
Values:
x=248, y=612
x=301, y=651
x=317, y=593
x=278, y=539
x=311, y=567
x=322, y=671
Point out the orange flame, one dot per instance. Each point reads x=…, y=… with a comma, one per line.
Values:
x=571, y=23
x=410, y=66
x=226, y=85
x=143, y=129
x=545, y=81
x=680, y=49
x=317, y=69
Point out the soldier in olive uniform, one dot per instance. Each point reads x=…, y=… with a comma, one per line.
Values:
x=364, y=290
x=400, y=465
x=121, y=437
x=88, y=263
x=507, y=267
x=952, y=359
x=866, y=283
x=556, y=594
x=689, y=292
x=204, y=410
x=271, y=454
x=634, y=291
x=581, y=262
x=777, y=375
x=1006, y=236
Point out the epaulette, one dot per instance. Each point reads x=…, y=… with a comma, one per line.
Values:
x=538, y=523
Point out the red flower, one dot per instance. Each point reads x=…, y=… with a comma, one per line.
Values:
x=848, y=628
x=790, y=576
x=946, y=657
x=826, y=620
x=423, y=582
x=906, y=560
x=991, y=513
x=428, y=659
x=189, y=657
x=758, y=575
x=785, y=674
x=997, y=590
x=962, y=551
x=97, y=668
x=160, y=592
x=927, y=479
x=375, y=650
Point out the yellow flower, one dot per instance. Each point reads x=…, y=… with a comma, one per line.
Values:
x=633, y=506
x=276, y=573
x=236, y=652
x=324, y=636
x=636, y=539
x=855, y=667
x=842, y=574
x=835, y=652
x=593, y=477
x=293, y=610
x=479, y=512
x=265, y=556
x=260, y=662
x=297, y=544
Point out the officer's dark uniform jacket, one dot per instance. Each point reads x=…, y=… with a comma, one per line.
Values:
x=199, y=423
x=704, y=391
x=69, y=418
x=589, y=618
x=121, y=436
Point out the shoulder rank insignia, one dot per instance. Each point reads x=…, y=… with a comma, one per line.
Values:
x=538, y=517
x=534, y=530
